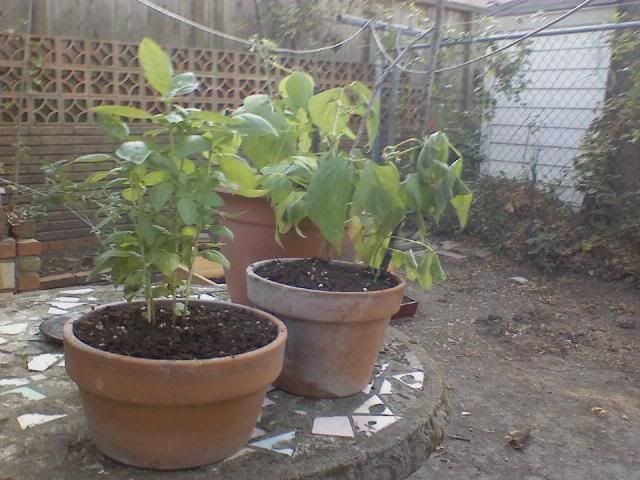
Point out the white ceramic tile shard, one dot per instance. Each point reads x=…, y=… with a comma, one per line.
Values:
x=26, y=392
x=13, y=328
x=332, y=426
x=386, y=387
x=277, y=443
x=367, y=389
x=382, y=368
x=13, y=382
x=68, y=299
x=366, y=407
x=267, y=402
x=40, y=363
x=465, y=414
x=370, y=424
x=92, y=299
x=63, y=363
x=77, y=291
x=3, y=341
x=56, y=311
x=257, y=432
x=65, y=305
x=413, y=379
x=29, y=420
x=37, y=377
x=205, y=296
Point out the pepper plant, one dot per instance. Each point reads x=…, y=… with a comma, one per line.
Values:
x=159, y=195
x=306, y=173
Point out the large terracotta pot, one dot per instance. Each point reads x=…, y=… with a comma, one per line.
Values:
x=334, y=337
x=254, y=229
x=172, y=414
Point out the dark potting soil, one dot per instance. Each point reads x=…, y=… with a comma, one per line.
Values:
x=210, y=331
x=321, y=274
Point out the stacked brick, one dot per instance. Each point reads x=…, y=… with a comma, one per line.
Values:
x=19, y=266
x=7, y=267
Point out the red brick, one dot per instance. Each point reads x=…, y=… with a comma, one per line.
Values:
x=57, y=281
x=28, y=282
x=7, y=248
x=30, y=247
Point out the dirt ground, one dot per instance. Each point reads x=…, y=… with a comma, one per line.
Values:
x=544, y=355
x=56, y=262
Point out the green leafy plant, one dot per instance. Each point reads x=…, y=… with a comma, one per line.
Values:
x=306, y=174
x=157, y=195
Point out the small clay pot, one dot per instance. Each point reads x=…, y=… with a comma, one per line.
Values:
x=23, y=230
x=333, y=337
x=172, y=414
x=254, y=227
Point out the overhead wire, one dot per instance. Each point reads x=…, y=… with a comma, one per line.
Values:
x=245, y=41
x=380, y=46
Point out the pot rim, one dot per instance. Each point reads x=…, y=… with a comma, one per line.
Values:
x=251, y=273
x=69, y=336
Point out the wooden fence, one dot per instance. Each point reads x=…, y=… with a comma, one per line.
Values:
x=50, y=95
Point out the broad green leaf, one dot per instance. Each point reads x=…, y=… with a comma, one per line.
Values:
x=328, y=198
x=156, y=65
x=191, y=144
x=279, y=187
x=167, y=262
x=290, y=212
x=136, y=152
x=297, y=90
x=188, y=211
x=329, y=111
x=187, y=166
x=114, y=126
x=462, y=202
x=238, y=173
x=103, y=260
x=94, y=158
x=155, y=177
x=211, y=200
x=131, y=194
x=255, y=123
x=97, y=176
x=221, y=231
x=160, y=195
x=183, y=84
x=121, y=111
x=213, y=117
x=216, y=257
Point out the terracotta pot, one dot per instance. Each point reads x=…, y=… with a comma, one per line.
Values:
x=24, y=230
x=172, y=414
x=334, y=337
x=254, y=229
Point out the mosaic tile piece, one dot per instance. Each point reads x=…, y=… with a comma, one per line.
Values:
x=240, y=453
x=37, y=377
x=367, y=389
x=13, y=328
x=278, y=443
x=40, y=363
x=29, y=420
x=412, y=380
x=68, y=299
x=77, y=291
x=369, y=407
x=386, y=388
x=65, y=305
x=26, y=392
x=267, y=402
x=56, y=311
x=370, y=424
x=332, y=426
x=13, y=382
x=3, y=341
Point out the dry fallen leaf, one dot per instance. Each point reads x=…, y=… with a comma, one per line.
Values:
x=517, y=439
x=599, y=411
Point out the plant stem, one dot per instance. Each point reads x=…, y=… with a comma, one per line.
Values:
x=386, y=259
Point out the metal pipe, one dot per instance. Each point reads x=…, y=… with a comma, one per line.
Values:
x=447, y=42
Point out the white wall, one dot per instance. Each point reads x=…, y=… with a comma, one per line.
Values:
x=566, y=76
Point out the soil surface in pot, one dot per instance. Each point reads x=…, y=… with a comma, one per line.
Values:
x=210, y=331
x=321, y=274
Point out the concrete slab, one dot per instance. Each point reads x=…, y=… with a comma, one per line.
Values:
x=45, y=436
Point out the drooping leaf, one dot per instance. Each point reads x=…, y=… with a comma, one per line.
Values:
x=121, y=111
x=221, y=231
x=94, y=158
x=238, y=173
x=131, y=194
x=136, y=151
x=167, y=262
x=461, y=202
x=297, y=90
x=160, y=194
x=329, y=111
x=328, y=198
x=213, y=117
x=256, y=124
x=188, y=211
x=155, y=177
x=216, y=257
x=192, y=144
x=183, y=84
x=156, y=65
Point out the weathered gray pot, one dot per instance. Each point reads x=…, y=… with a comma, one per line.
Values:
x=333, y=337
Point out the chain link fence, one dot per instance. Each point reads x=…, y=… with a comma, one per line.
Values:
x=538, y=135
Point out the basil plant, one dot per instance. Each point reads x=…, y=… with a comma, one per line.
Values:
x=305, y=172
x=157, y=194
